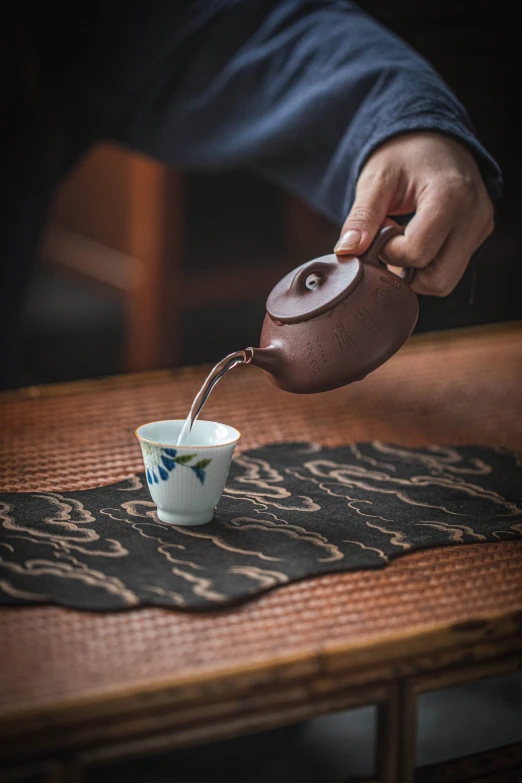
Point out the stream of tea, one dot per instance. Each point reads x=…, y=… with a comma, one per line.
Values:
x=221, y=368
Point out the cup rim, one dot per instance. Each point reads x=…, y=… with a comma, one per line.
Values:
x=186, y=446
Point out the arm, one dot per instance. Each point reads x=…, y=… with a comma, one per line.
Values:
x=321, y=99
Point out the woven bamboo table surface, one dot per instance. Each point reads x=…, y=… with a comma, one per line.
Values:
x=56, y=664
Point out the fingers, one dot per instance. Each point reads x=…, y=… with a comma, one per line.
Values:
x=374, y=195
x=438, y=179
x=441, y=276
x=440, y=240
x=423, y=237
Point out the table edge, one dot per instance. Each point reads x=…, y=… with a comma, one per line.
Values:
x=415, y=342
x=372, y=660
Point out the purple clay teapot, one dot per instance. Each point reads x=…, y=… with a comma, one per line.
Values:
x=332, y=321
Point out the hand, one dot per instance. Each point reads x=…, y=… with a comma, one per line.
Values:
x=437, y=178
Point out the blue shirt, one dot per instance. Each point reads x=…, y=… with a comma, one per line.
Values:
x=300, y=92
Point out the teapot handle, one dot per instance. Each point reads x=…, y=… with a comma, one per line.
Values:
x=372, y=254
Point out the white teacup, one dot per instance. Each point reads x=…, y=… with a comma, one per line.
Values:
x=186, y=482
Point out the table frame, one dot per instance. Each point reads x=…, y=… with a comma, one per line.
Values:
x=162, y=727
x=56, y=743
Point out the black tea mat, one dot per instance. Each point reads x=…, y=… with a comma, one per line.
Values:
x=289, y=511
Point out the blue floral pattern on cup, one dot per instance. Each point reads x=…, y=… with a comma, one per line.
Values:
x=160, y=462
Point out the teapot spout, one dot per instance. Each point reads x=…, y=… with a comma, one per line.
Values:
x=265, y=358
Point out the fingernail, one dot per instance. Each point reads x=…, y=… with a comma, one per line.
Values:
x=349, y=241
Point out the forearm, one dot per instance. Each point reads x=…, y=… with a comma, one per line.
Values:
x=301, y=93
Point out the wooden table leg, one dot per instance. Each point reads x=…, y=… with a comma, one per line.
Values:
x=407, y=732
x=387, y=749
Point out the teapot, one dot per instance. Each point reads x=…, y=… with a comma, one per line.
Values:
x=333, y=320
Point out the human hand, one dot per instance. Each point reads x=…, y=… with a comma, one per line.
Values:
x=438, y=179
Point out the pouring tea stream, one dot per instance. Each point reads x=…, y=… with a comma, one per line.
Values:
x=328, y=323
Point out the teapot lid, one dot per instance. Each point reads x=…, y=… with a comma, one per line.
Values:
x=313, y=288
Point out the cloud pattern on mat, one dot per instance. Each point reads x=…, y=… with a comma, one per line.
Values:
x=289, y=511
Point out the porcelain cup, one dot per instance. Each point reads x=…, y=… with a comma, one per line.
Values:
x=186, y=482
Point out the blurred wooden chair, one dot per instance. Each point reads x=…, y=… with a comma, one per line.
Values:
x=120, y=220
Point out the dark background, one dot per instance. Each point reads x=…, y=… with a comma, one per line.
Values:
x=75, y=328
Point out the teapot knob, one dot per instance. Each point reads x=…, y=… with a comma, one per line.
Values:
x=313, y=288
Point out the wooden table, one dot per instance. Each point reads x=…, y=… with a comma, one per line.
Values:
x=79, y=689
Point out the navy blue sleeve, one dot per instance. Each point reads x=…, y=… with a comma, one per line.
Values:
x=300, y=92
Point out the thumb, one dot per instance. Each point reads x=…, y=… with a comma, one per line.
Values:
x=366, y=216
